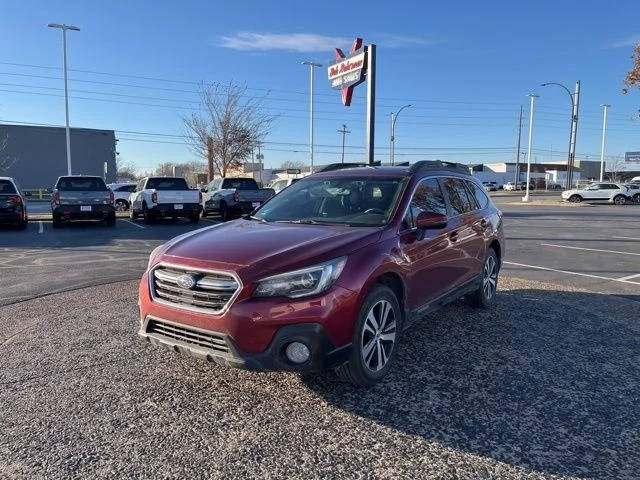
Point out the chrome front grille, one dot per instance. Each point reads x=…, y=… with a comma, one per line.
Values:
x=205, y=291
x=181, y=333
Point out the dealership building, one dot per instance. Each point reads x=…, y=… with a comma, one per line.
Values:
x=36, y=156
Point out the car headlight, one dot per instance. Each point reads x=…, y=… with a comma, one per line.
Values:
x=303, y=282
x=153, y=255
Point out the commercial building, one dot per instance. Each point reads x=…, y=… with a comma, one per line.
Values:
x=36, y=156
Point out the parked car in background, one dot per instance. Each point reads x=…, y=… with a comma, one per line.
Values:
x=232, y=197
x=633, y=192
x=510, y=186
x=82, y=197
x=159, y=197
x=490, y=186
x=283, y=183
x=13, y=207
x=329, y=273
x=598, y=192
x=122, y=193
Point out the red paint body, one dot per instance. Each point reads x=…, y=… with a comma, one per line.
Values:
x=428, y=268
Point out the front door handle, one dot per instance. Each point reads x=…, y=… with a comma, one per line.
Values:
x=483, y=223
x=453, y=236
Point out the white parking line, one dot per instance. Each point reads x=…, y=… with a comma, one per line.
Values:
x=132, y=223
x=629, y=277
x=590, y=249
x=536, y=267
x=40, y=227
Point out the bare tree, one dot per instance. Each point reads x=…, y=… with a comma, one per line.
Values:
x=633, y=76
x=227, y=127
x=6, y=161
x=291, y=164
x=126, y=171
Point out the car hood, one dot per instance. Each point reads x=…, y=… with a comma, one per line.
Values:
x=254, y=248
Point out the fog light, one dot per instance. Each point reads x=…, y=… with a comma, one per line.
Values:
x=297, y=352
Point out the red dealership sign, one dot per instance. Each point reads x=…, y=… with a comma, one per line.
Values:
x=347, y=72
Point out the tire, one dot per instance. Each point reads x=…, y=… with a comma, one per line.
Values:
x=133, y=215
x=575, y=198
x=194, y=218
x=636, y=198
x=121, y=205
x=146, y=214
x=619, y=200
x=367, y=365
x=224, y=212
x=56, y=221
x=111, y=220
x=485, y=295
x=23, y=225
x=204, y=213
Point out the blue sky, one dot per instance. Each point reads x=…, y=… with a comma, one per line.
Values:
x=466, y=67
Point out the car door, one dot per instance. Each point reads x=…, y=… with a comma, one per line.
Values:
x=428, y=258
x=466, y=235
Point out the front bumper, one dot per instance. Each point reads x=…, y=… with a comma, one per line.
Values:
x=169, y=210
x=74, y=212
x=324, y=354
x=256, y=331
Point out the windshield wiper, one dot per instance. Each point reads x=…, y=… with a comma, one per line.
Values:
x=306, y=221
x=252, y=217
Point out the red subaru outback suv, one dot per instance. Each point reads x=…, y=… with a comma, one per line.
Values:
x=329, y=273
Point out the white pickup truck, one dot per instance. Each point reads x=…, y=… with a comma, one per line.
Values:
x=157, y=197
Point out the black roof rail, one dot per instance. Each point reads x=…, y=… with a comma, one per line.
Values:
x=339, y=166
x=439, y=165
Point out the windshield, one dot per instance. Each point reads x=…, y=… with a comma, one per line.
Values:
x=6, y=187
x=78, y=184
x=167, y=184
x=343, y=201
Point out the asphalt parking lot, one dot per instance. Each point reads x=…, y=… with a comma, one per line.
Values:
x=543, y=385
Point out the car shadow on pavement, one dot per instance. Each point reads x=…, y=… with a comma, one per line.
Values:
x=545, y=380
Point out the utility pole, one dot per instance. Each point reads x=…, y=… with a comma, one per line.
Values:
x=604, y=133
x=533, y=97
x=344, y=131
x=312, y=65
x=517, y=178
x=574, y=130
x=64, y=29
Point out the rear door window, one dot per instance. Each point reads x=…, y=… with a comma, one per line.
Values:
x=458, y=196
x=6, y=187
x=79, y=184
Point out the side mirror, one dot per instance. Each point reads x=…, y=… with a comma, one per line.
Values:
x=431, y=220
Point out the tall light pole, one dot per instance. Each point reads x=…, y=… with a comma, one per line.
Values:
x=604, y=133
x=64, y=29
x=394, y=117
x=344, y=131
x=573, y=127
x=312, y=65
x=533, y=97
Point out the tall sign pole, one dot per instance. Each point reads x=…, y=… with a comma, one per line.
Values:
x=371, y=102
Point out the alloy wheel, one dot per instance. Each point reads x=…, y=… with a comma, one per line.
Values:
x=489, y=277
x=378, y=336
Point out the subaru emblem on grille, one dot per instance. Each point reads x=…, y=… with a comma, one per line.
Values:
x=187, y=281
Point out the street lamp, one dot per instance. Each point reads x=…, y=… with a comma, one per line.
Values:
x=312, y=65
x=64, y=29
x=393, y=131
x=604, y=132
x=573, y=126
x=533, y=97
